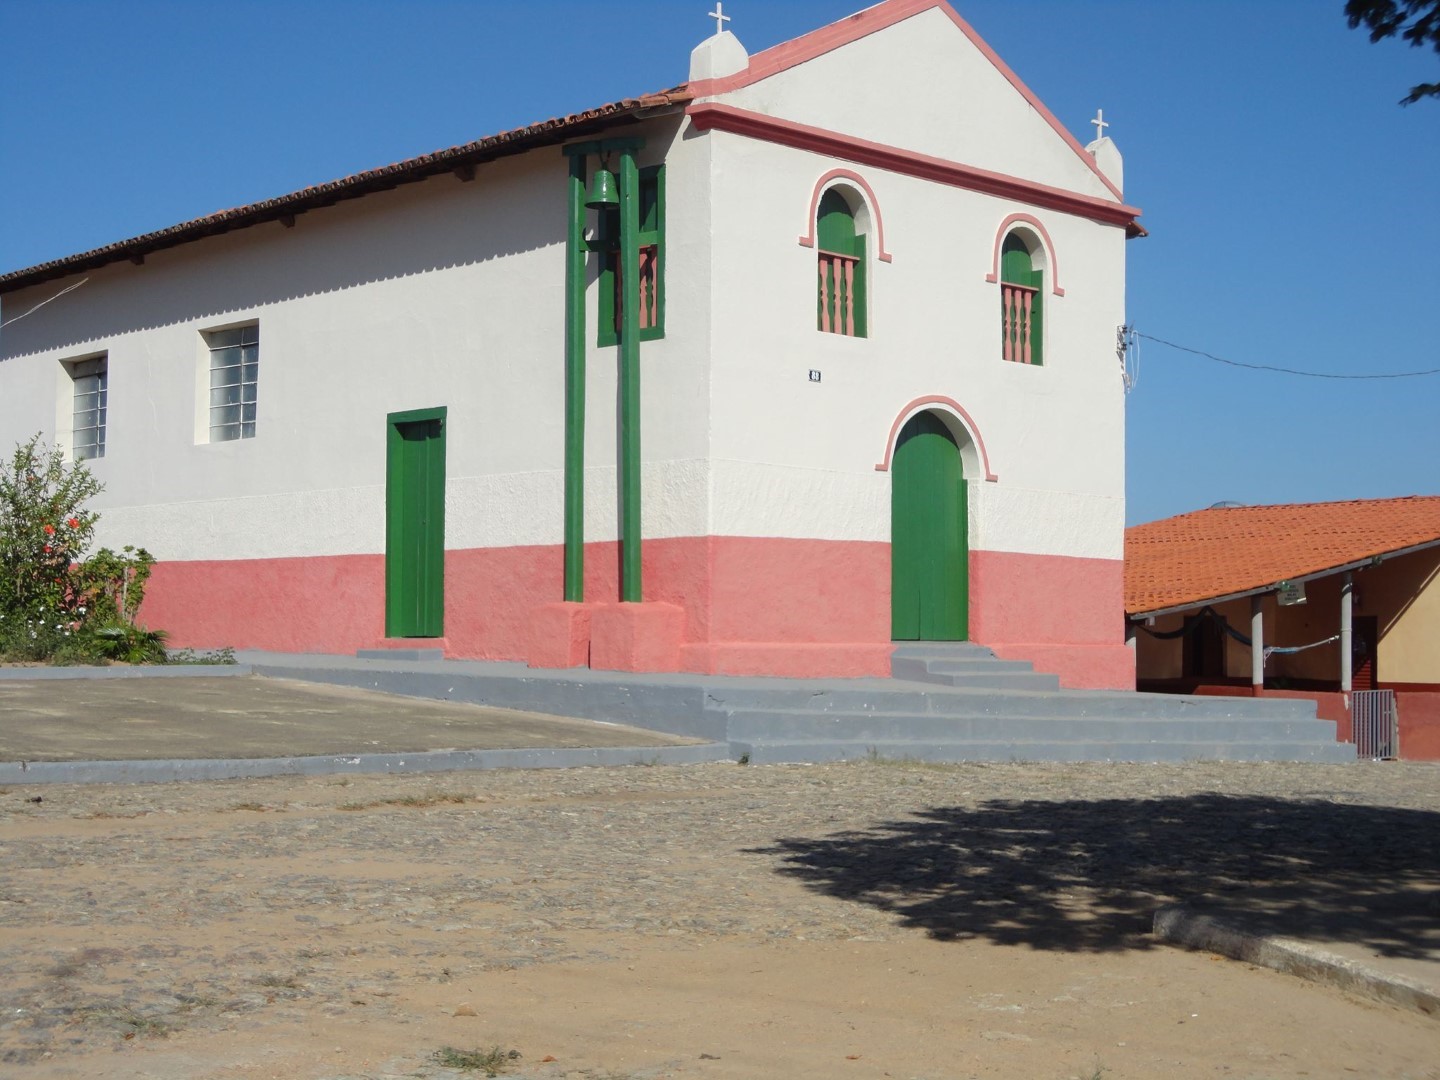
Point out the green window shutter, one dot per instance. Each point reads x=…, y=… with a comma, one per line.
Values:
x=1015, y=267
x=836, y=225
x=1037, y=318
x=860, y=299
x=652, y=236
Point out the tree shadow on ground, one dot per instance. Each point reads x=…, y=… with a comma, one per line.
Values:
x=1088, y=875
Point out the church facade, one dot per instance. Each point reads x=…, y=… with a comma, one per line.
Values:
x=811, y=354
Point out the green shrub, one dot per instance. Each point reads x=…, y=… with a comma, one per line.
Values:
x=44, y=529
x=33, y=636
x=56, y=603
x=126, y=642
x=109, y=587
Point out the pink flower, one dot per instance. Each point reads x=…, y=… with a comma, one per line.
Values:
x=49, y=530
x=73, y=523
x=48, y=548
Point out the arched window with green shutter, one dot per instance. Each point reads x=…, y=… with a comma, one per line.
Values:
x=841, y=292
x=1022, y=290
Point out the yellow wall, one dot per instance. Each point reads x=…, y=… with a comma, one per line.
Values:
x=1406, y=596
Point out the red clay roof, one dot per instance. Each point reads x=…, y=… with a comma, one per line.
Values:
x=546, y=132
x=1208, y=554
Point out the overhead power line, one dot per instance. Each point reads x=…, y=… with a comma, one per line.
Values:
x=42, y=303
x=1286, y=370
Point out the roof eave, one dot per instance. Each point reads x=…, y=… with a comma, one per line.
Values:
x=1225, y=598
x=413, y=170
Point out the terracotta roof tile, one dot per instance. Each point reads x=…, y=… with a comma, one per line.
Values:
x=515, y=141
x=1207, y=554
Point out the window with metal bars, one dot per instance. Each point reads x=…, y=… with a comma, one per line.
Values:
x=840, y=299
x=652, y=263
x=1022, y=324
x=92, y=392
x=234, y=378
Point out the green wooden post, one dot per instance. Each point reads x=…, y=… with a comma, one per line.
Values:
x=630, y=586
x=575, y=383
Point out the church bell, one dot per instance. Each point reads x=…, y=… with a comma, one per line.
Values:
x=602, y=191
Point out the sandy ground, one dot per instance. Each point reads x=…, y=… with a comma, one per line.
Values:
x=648, y=923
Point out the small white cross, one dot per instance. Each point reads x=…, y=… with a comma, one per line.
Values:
x=1100, y=124
x=720, y=17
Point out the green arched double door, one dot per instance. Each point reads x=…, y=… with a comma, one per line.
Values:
x=929, y=549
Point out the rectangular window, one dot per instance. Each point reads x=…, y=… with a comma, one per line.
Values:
x=234, y=373
x=91, y=377
x=652, y=262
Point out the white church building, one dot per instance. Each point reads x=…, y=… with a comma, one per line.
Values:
x=810, y=355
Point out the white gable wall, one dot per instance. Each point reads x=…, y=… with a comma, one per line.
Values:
x=922, y=85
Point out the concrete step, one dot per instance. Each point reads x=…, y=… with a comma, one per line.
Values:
x=943, y=649
x=980, y=672
x=921, y=699
x=964, y=663
x=792, y=725
x=902, y=750
x=958, y=665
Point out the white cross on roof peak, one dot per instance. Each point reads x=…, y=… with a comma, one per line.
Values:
x=1100, y=123
x=720, y=17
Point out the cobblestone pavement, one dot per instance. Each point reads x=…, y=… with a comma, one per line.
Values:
x=136, y=919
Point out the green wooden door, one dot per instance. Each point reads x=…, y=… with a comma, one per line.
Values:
x=929, y=554
x=415, y=524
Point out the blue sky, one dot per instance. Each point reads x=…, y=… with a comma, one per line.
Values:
x=1290, y=200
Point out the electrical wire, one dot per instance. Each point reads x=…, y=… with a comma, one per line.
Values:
x=42, y=303
x=1285, y=370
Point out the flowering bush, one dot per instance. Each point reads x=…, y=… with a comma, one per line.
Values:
x=44, y=530
x=108, y=587
x=55, y=603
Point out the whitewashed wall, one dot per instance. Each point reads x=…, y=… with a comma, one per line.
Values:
x=437, y=293
x=1054, y=433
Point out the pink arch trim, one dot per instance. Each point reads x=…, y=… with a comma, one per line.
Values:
x=953, y=406
x=1034, y=223
x=808, y=240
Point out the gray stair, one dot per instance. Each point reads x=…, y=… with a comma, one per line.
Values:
x=774, y=753
x=962, y=663
x=943, y=704
x=957, y=701
x=790, y=725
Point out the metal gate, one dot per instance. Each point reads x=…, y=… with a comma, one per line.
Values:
x=1375, y=723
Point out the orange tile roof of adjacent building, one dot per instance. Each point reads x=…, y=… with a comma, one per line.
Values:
x=1209, y=554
